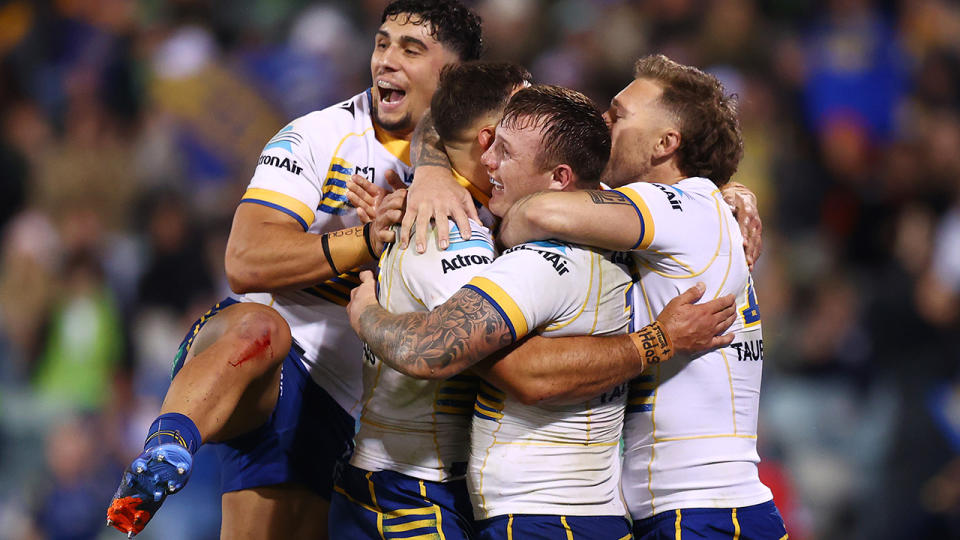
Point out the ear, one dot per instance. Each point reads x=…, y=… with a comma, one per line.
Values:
x=668, y=144
x=485, y=137
x=562, y=178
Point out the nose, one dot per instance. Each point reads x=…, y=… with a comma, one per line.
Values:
x=388, y=58
x=487, y=159
x=608, y=118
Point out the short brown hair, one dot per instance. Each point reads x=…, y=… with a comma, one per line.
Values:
x=711, y=144
x=470, y=90
x=574, y=131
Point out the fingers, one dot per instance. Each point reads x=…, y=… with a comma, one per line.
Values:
x=721, y=341
x=692, y=294
x=463, y=223
x=364, y=196
x=394, y=180
x=753, y=240
x=471, y=208
x=422, y=226
x=727, y=302
x=725, y=323
x=405, y=225
x=362, y=214
x=443, y=233
x=393, y=201
x=366, y=276
x=730, y=197
x=387, y=235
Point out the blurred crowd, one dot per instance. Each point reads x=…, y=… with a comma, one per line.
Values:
x=129, y=129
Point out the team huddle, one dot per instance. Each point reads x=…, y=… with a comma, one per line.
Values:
x=532, y=359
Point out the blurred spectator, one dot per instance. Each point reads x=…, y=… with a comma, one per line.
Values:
x=68, y=502
x=85, y=341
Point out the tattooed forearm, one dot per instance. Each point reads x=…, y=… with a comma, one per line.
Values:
x=607, y=197
x=425, y=146
x=438, y=344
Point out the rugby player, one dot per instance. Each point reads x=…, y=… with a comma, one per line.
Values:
x=406, y=474
x=282, y=408
x=563, y=289
x=690, y=464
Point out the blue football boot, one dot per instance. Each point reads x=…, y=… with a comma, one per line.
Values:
x=157, y=472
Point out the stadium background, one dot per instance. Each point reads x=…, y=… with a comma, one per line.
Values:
x=128, y=131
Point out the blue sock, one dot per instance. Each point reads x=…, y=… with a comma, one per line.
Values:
x=174, y=428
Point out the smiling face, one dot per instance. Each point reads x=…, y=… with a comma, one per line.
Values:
x=405, y=66
x=511, y=162
x=637, y=121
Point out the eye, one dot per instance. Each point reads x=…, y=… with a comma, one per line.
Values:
x=412, y=52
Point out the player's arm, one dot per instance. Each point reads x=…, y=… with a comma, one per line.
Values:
x=269, y=250
x=429, y=345
x=567, y=370
x=572, y=216
x=435, y=194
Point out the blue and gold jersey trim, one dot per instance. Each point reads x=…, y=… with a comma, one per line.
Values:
x=334, y=193
x=337, y=289
x=642, y=394
x=751, y=311
x=284, y=203
x=489, y=403
x=643, y=212
x=456, y=395
x=503, y=303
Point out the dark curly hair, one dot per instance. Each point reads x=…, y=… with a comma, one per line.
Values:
x=711, y=145
x=470, y=90
x=574, y=131
x=450, y=22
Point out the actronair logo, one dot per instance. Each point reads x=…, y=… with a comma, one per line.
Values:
x=672, y=197
x=285, y=163
x=462, y=261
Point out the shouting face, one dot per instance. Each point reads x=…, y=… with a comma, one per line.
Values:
x=405, y=66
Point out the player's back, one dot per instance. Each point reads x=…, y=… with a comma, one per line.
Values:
x=420, y=427
x=691, y=424
x=550, y=459
x=302, y=172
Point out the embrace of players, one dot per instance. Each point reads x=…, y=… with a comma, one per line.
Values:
x=504, y=362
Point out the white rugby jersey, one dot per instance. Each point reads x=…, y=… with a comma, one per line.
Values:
x=549, y=459
x=691, y=425
x=412, y=426
x=303, y=172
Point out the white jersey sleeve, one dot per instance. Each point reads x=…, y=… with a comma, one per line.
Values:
x=532, y=285
x=286, y=177
x=417, y=427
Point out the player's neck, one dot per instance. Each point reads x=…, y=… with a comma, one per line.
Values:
x=385, y=136
x=666, y=173
x=465, y=159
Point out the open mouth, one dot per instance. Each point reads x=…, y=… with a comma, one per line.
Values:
x=497, y=186
x=390, y=94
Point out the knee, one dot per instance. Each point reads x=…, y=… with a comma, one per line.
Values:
x=264, y=332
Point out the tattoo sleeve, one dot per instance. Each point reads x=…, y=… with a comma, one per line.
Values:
x=607, y=197
x=438, y=344
x=425, y=146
